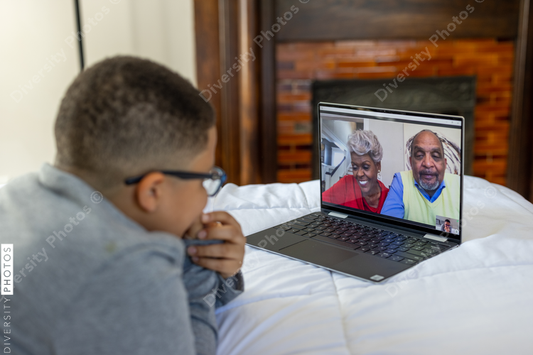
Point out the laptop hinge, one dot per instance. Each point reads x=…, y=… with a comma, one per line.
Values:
x=435, y=237
x=337, y=214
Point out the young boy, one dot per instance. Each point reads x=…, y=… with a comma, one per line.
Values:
x=99, y=263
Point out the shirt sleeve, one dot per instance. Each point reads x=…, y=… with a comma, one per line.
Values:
x=201, y=284
x=221, y=291
x=393, y=205
x=230, y=288
x=136, y=303
x=207, y=290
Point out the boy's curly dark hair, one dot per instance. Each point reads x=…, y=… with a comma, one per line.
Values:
x=126, y=116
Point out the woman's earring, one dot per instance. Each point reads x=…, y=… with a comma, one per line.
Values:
x=379, y=175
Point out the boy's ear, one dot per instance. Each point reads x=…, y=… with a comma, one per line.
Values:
x=149, y=191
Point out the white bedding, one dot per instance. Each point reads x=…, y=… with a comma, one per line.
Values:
x=476, y=299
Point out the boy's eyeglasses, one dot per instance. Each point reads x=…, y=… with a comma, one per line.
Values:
x=212, y=183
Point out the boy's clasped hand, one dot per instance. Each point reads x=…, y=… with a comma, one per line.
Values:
x=225, y=258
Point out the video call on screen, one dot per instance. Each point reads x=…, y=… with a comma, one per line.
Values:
x=405, y=168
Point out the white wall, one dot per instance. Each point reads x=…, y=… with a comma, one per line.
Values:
x=391, y=138
x=39, y=61
x=161, y=30
x=337, y=131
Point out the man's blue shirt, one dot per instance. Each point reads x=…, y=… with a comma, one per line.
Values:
x=393, y=205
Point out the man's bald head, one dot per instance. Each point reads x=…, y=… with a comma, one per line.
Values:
x=426, y=131
x=427, y=160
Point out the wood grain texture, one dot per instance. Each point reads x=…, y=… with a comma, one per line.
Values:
x=248, y=97
x=207, y=46
x=520, y=163
x=224, y=30
x=396, y=19
x=230, y=104
x=267, y=102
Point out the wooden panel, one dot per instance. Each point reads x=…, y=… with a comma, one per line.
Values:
x=248, y=94
x=394, y=19
x=230, y=129
x=520, y=164
x=224, y=30
x=208, y=71
x=267, y=104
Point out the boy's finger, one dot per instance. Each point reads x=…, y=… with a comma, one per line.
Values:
x=228, y=233
x=193, y=230
x=220, y=216
x=221, y=251
x=206, y=228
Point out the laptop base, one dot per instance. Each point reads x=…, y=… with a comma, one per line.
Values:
x=334, y=255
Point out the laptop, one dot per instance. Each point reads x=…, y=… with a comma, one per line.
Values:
x=391, y=187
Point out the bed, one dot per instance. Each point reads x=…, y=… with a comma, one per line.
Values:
x=476, y=299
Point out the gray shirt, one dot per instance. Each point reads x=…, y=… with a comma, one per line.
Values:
x=89, y=280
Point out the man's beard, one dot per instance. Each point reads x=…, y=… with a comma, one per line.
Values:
x=429, y=187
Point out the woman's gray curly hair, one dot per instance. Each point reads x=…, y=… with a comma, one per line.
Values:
x=363, y=142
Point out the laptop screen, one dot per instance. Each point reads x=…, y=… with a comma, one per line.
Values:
x=396, y=165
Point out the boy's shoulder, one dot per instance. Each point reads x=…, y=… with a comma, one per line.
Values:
x=73, y=248
x=58, y=225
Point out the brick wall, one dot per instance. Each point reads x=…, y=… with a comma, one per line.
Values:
x=298, y=64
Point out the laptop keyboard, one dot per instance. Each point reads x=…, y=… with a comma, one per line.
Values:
x=374, y=241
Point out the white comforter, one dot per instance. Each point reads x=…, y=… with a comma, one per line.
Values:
x=476, y=299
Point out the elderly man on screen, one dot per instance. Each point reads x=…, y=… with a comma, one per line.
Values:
x=426, y=191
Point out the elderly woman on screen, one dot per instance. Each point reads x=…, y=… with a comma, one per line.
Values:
x=362, y=189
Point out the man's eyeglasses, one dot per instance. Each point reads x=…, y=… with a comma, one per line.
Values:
x=212, y=183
